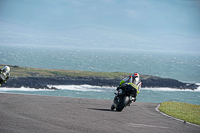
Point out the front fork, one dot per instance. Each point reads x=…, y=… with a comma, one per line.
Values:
x=117, y=94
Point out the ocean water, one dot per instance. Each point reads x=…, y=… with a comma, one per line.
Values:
x=153, y=95
x=182, y=66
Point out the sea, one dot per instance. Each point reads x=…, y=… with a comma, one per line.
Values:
x=182, y=66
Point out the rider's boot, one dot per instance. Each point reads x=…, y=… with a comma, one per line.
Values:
x=133, y=99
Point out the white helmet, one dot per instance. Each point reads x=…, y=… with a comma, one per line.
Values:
x=136, y=75
x=6, y=69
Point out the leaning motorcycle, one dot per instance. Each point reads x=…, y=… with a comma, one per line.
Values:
x=123, y=98
x=2, y=77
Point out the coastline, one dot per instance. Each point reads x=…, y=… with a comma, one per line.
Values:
x=41, y=78
x=41, y=82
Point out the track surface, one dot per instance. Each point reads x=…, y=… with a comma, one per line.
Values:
x=30, y=113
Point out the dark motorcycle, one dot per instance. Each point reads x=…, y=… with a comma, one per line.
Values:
x=123, y=98
x=2, y=77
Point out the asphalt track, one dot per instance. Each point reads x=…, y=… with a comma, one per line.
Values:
x=48, y=114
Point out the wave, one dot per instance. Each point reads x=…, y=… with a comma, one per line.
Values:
x=5, y=89
x=84, y=87
x=170, y=89
x=89, y=88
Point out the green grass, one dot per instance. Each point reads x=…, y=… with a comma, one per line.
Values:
x=184, y=111
x=17, y=71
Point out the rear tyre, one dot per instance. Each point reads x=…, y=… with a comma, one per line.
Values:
x=123, y=103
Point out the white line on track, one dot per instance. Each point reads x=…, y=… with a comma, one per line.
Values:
x=143, y=125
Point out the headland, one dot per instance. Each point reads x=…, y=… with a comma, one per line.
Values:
x=41, y=78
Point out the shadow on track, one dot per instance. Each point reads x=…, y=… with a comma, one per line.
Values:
x=102, y=109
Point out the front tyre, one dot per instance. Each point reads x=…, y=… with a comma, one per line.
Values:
x=123, y=103
x=112, y=107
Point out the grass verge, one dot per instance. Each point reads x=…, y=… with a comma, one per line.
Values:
x=17, y=71
x=184, y=111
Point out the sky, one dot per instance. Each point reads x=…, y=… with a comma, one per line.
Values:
x=146, y=17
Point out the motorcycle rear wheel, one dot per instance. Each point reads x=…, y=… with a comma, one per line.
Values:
x=123, y=103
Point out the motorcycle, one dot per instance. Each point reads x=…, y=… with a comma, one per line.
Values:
x=123, y=98
x=2, y=77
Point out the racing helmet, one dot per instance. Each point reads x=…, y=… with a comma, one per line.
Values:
x=136, y=75
x=6, y=69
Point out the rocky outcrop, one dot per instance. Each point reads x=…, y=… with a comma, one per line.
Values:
x=41, y=82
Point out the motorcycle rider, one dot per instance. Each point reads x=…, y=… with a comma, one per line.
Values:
x=132, y=84
x=6, y=72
